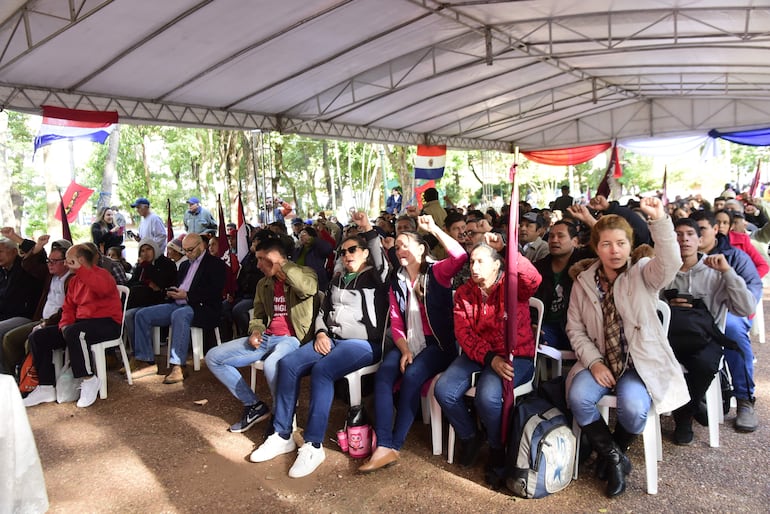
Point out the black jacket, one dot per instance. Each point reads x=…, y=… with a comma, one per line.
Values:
x=205, y=294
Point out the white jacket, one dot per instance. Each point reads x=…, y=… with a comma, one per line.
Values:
x=636, y=296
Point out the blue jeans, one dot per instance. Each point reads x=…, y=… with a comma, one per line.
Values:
x=224, y=361
x=555, y=336
x=346, y=355
x=456, y=380
x=177, y=317
x=633, y=400
x=741, y=366
x=429, y=362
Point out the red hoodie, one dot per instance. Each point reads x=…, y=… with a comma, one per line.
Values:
x=91, y=293
x=480, y=325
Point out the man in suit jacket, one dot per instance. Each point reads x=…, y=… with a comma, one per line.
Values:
x=196, y=302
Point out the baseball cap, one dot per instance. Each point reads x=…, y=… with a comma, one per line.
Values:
x=193, y=199
x=297, y=221
x=61, y=243
x=141, y=201
x=533, y=217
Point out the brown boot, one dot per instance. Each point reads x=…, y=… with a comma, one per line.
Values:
x=175, y=376
x=382, y=458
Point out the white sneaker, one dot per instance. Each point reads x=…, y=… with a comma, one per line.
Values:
x=89, y=390
x=308, y=459
x=40, y=394
x=273, y=446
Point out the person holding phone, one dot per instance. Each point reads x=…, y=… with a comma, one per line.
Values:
x=151, y=226
x=705, y=286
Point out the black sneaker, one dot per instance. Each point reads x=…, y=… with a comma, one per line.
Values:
x=252, y=414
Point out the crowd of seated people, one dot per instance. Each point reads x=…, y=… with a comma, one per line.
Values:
x=316, y=304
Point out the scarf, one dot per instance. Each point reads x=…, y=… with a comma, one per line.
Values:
x=615, y=344
x=415, y=336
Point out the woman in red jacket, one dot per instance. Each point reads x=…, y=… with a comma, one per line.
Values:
x=479, y=317
x=92, y=305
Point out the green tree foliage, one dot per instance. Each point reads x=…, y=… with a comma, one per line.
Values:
x=27, y=190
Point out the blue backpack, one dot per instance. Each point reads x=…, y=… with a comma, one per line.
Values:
x=541, y=449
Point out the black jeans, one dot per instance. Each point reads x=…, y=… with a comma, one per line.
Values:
x=44, y=341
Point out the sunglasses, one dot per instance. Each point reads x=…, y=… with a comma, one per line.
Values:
x=350, y=249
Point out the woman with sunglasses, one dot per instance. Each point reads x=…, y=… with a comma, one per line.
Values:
x=422, y=327
x=349, y=329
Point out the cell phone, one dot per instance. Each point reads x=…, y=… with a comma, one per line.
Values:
x=686, y=297
x=129, y=233
x=172, y=289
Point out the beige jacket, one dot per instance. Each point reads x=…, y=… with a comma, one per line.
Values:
x=636, y=295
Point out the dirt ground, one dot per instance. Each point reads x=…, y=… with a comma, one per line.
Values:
x=150, y=448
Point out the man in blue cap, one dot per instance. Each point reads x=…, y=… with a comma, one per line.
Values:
x=151, y=226
x=198, y=219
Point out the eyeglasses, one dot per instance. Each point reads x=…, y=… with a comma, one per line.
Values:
x=54, y=261
x=350, y=249
x=191, y=250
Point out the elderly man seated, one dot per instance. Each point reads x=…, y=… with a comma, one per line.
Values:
x=19, y=289
x=196, y=302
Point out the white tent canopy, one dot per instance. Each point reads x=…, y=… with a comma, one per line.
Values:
x=467, y=73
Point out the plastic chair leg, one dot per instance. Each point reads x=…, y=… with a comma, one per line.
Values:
x=652, y=452
x=436, y=423
x=196, y=337
x=713, y=410
x=100, y=361
x=450, y=445
x=156, y=340
x=354, y=386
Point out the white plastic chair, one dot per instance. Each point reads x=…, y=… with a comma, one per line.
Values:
x=196, y=341
x=354, y=377
x=519, y=391
x=651, y=437
x=558, y=356
x=98, y=349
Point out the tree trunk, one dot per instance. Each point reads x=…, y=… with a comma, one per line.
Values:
x=52, y=196
x=397, y=158
x=108, y=178
x=330, y=184
x=8, y=217
x=146, y=165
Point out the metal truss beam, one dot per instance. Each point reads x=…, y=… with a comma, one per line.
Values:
x=17, y=37
x=130, y=110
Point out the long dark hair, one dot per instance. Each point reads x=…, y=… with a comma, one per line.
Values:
x=420, y=283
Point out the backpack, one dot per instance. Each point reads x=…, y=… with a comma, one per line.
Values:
x=28, y=376
x=541, y=449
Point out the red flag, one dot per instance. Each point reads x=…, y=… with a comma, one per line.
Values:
x=169, y=225
x=755, y=182
x=62, y=215
x=242, y=240
x=603, y=188
x=74, y=198
x=664, y=199
x=617, y=170
x=224, y=245
x=418, y=191
x=511, y=296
